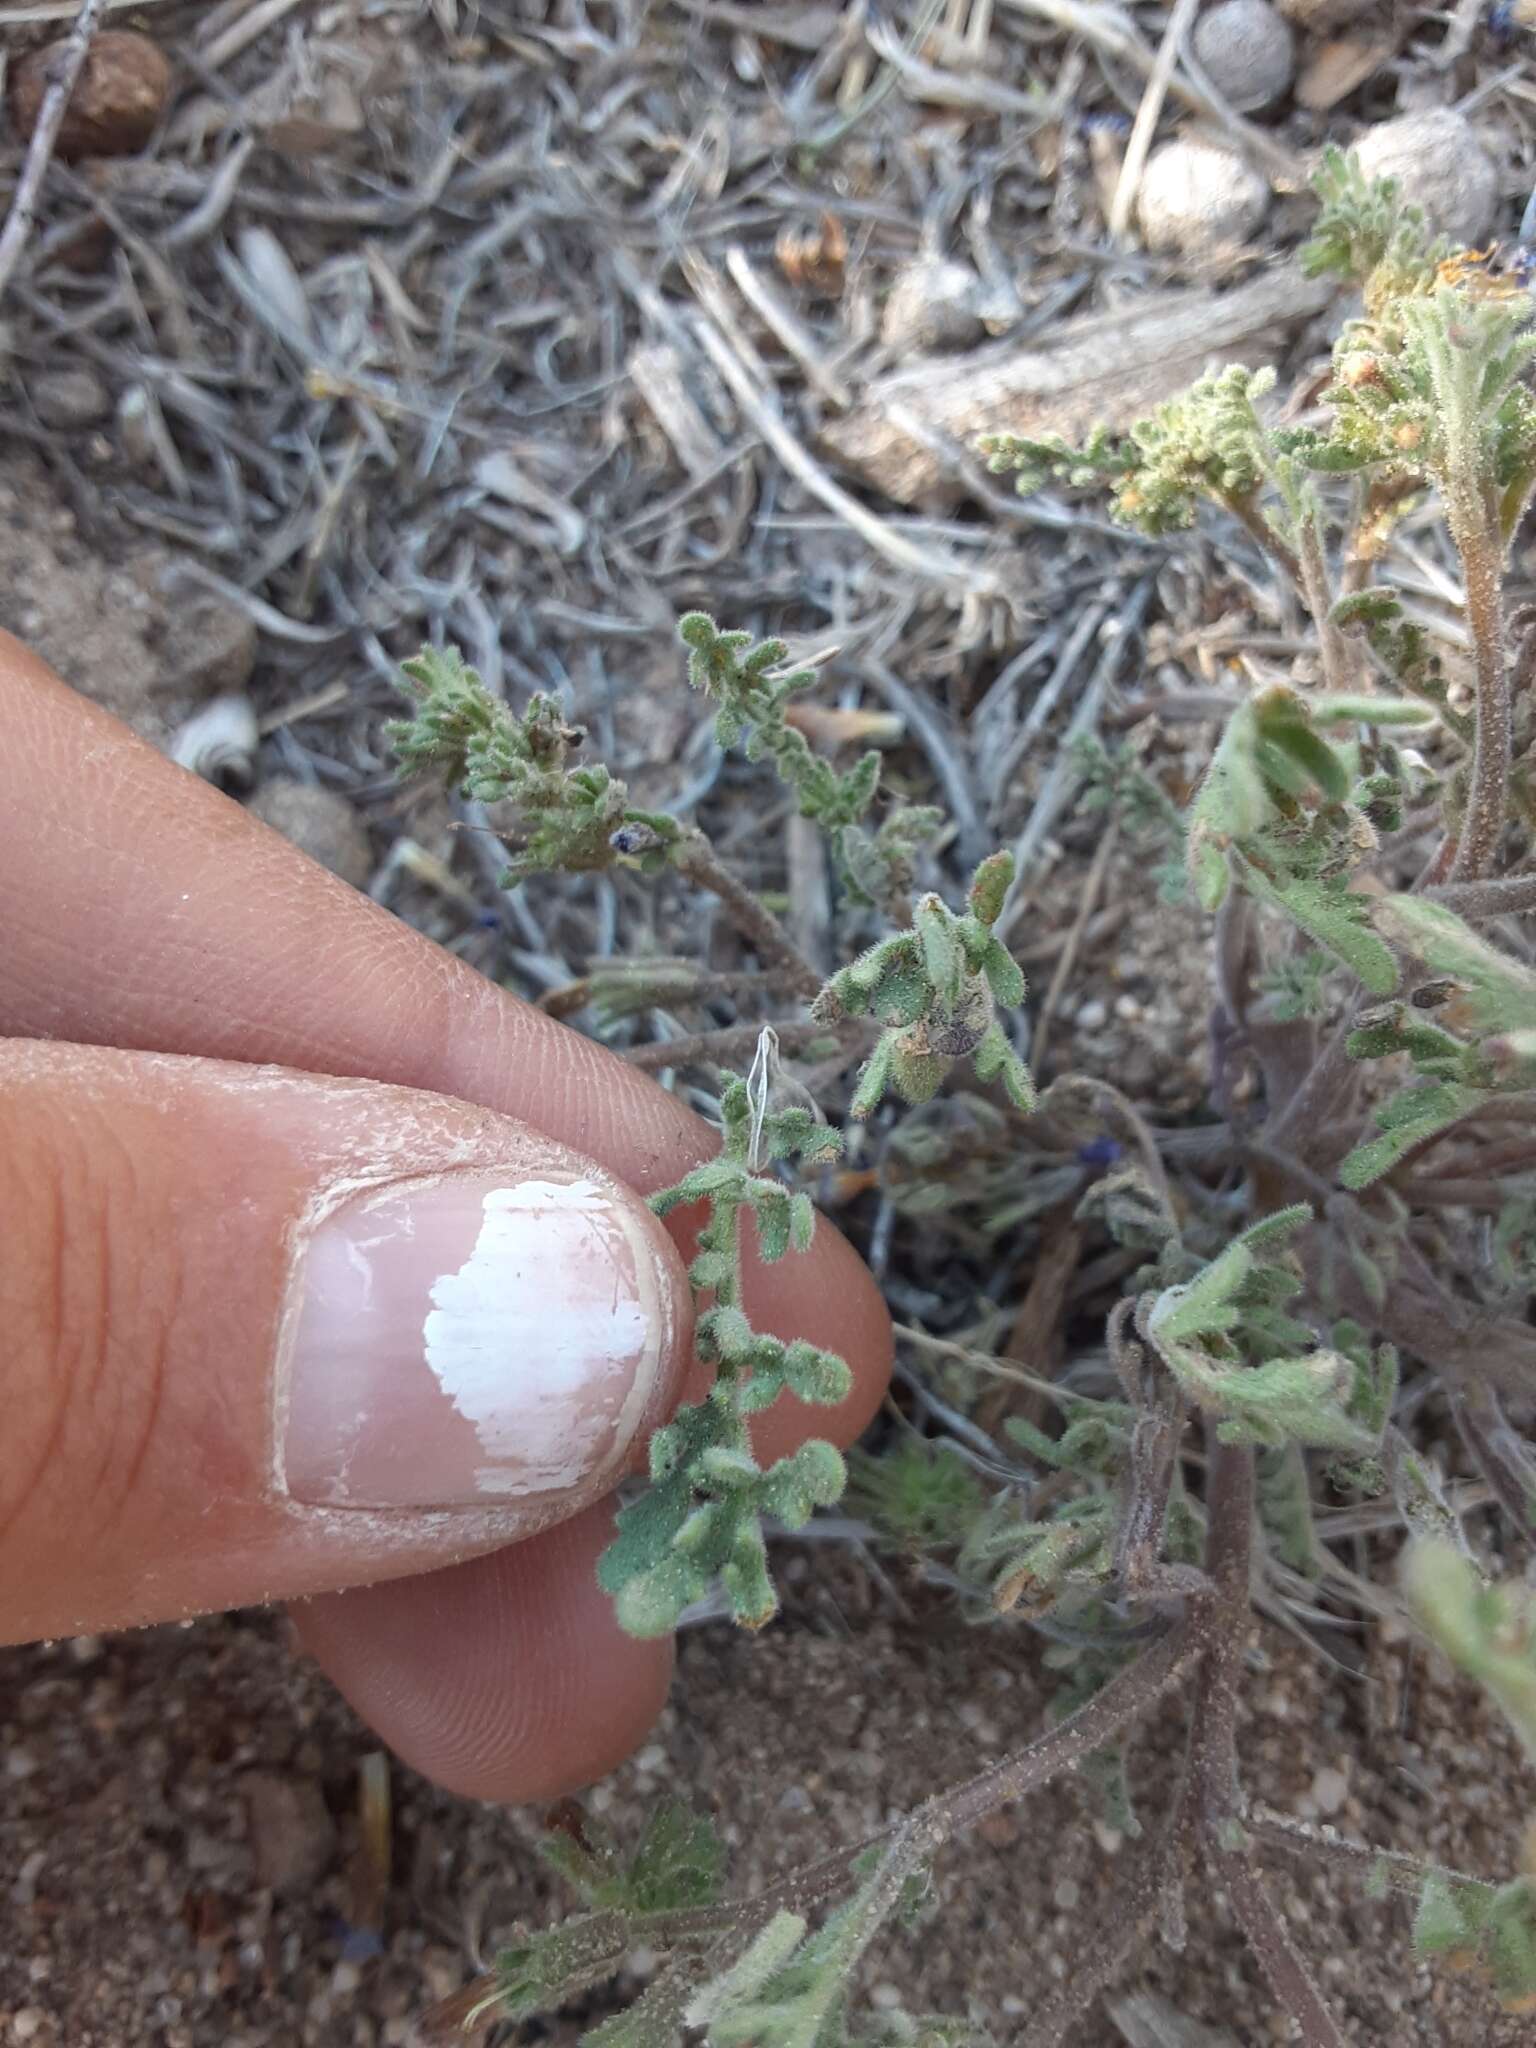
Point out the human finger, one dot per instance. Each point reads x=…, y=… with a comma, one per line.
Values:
x=268, y=1335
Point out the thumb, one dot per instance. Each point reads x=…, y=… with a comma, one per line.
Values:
x=266, y=1334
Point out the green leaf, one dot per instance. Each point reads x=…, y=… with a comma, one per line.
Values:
x=1329, y=912
x=1364, y=228
x=1450, y=1917
x=542, y=1971
x=1512, y=1944
x=813, y=1476
x=1392, y=711
x=1225, y=1336
x=874, y=1078
x=655, y=2020
x=1498, y=993
x=995, y=1059
x=744, y=1575
x=1004, y=975
x=793, y=1994
x=1206, y=443
x=989, y=888
x=943, y=960
x=651, y=1603
x=1411, y=1118
x=1285, y=1509
x=920, y=1496
x=816, y=1375
x=762, y=1959
x=677, y=1862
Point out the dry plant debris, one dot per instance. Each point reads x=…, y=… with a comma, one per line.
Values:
x=529, y=328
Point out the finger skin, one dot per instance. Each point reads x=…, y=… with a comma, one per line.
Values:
x=143, y=909
x=154, y=1214
x=505, y=1678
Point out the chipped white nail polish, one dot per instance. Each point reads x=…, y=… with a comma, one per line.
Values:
x=471, y=1340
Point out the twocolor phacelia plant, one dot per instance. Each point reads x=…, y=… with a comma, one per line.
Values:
x=1364, y=1224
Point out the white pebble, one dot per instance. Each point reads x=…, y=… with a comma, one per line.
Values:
x=1093, y=1016
x=934, y=304
x=1330, y=1789
x=1199, y=200
x=1439, y=165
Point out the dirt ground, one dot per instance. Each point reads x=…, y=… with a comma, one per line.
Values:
x=181, y=1830
x=529, y=326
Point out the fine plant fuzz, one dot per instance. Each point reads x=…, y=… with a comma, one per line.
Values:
x=1358, y=1228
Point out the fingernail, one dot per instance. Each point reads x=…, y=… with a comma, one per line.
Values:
x=467, y=1341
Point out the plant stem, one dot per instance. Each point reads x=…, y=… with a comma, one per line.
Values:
x=1153, y=1458
x=1117, y=1930
x=1314, y=1111
x=736, y=1042
x=1229, y=1500
x=1130, y=1694
x=1367, y=536
x=575, y=995
x=1213, y=1745
x=64, y=68
x=696, y=859
x=1278, y=1956
x=1492, y=749
x=912, y=1841
x=1259, y=530
x=1405, y=1873
x=1500, y=1454
x=1510, y=895
x=1339, y=656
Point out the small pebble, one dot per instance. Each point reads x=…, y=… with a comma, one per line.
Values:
x=1247, y=51
x=321, y=823
x=1441, y=166
x=27, y=2024
x=118, y=98
x=1093, y=1016
x=1318, y=16
x=292, y=1835
x=1199, y=200
x=70, y=398
x=1127, y=1009
x=207, y=649
x=933, y=305
x=1330, y=1789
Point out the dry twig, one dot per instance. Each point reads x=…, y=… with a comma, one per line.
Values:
x=64, y=67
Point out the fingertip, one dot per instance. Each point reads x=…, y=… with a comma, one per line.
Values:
x=506, y=1677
